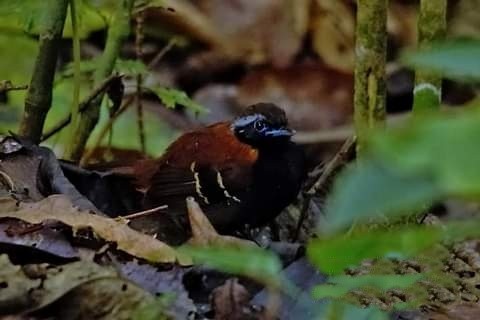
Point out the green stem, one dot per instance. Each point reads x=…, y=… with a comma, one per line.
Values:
x=76, y=73
x=432, y=24
x=370, y=88
x=118, y=30
x=39, y=95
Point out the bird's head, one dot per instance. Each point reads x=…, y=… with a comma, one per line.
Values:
x=262, y=124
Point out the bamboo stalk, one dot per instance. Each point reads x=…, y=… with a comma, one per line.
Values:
x=370, y=52
x=432, y=24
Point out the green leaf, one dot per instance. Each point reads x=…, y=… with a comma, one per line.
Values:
x=457, y=59
x=370, y=188
x=31, y=16
x=332, y=255
x=404, y=169
x=252, y=262
x=130, y=67
x=171, y=97
x=90, y=19
x=443, y=147
x=27, y=15
x=339, y=286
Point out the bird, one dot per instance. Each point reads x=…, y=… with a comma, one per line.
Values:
x=242, y=172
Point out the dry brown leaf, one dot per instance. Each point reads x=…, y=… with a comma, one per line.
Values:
x=402, y=23
x=204, y=234
x=103, y=299
x=260, y=31
x=58, y=281
x=33, y=287
x=267, y=31
x=230, y=301
x=59, y=208
x=184, y=18
x=15, y=285
x=333, y=33
x=465, y=19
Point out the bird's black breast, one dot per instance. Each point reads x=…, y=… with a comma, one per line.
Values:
x=277, y=178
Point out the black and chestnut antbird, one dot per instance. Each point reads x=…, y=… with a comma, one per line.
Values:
x=243, y=172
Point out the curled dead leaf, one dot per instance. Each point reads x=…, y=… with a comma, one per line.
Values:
x=59, y=208
x=203, y=232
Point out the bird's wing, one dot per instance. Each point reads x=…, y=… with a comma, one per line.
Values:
x=210, y=165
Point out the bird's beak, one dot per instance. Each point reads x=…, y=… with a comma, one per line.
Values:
x=281, y=132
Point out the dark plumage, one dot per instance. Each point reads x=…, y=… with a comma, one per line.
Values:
x=241, y=172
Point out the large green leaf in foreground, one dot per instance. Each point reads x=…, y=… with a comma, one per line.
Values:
x=405, y=169
x=253, y=262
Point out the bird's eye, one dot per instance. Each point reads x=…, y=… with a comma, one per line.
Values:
x=259, y=125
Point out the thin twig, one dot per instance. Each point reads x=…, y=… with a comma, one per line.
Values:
x=325, y=175
x=6, y=85
x=87, y=155
x=84, y=105
x=76, y=74
x=139, y=53
x=173, y=41
x=332, y=166
x=141, y=213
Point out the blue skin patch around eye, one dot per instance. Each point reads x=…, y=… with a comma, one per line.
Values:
x=267, y=132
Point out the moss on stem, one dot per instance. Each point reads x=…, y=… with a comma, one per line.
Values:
x=370, y=52
x=39, y=95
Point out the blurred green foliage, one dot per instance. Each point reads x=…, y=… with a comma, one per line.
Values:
x=454, y=59
x=253, y=262
x=433, y=157
x=339, y=286
x=334, y=254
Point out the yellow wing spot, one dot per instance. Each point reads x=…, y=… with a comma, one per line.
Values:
x=225, y=191
x=198, y=186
